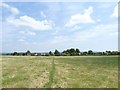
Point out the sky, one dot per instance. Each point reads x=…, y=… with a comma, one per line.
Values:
x=46, y=26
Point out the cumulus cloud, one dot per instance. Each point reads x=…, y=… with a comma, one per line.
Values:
x=81, y=18
x=42, y=14
x=115, y=12
x=32, y=23
x=13, y=10
x=89, y=10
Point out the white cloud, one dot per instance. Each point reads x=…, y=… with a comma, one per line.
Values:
x=89, y=10
x=32, y=23
x=76, y=28
x=81, y=18
x=82, y=36
x=27, y=33
x=97, y=31
x=13, y=10
x=42, y=14
x=115, y=12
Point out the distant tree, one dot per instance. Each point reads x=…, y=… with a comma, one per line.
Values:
x=28, y=53
x=104, y=53
x=66, y=53
x=84, y=53
x=15, y=53
x=57, y=53
x=77, y=51
x=114, y=53
x=108, y=52
x=50, y=53
x=90, y=52
x=118, y=52
x=72, y=52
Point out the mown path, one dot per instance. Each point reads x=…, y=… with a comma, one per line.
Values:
x=51, y=76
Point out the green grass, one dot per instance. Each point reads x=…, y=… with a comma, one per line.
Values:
x=51, y=76
x=60, y=72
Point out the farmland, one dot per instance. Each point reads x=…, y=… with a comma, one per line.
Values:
x=59, y=71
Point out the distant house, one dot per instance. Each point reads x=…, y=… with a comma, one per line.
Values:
x=44, y=53
x=35, y=54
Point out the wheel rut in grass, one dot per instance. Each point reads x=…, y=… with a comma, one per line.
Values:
x=51, y=76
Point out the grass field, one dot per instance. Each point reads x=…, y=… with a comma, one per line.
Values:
x=60, y=72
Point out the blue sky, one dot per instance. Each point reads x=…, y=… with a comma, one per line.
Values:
x=45, y=26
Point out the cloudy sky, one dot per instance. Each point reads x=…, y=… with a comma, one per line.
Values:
x=45, y=26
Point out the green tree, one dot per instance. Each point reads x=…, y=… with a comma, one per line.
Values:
x=50, y=53
x=77, y=51
x=15, y=53
x=90, y=52
x=57, y=53
x=72, y=51
x=28, y=53
x=65, y=53
x=84, y=53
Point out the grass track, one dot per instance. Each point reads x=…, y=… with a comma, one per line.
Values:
x=51, y=76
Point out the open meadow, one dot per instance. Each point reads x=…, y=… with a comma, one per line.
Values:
x=60, y=71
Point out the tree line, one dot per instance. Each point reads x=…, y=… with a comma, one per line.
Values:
x=68, y=52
